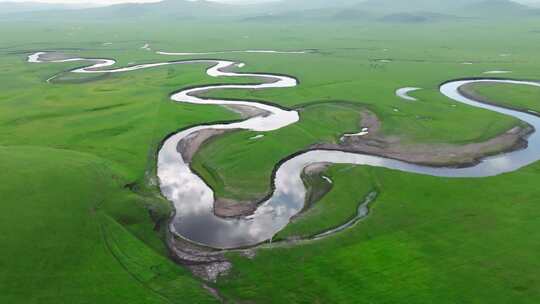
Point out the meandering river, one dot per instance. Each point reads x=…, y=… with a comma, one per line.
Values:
x=193, y=199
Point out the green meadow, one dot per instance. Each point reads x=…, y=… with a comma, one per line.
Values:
x=83, y=221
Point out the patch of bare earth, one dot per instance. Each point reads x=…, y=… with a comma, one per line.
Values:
x=191, y=144
x=436, y=155
x=375, y=143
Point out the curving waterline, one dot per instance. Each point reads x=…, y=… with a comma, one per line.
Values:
x=235, y=51
x=194, y=200
x=404, y=93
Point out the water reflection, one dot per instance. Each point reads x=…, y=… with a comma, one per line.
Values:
x=194, y=200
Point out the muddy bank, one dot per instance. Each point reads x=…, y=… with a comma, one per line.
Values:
x=189, y=145
x=194, y=200
x=362, y=212
x=374, y=143
x=205, y=263
x=316, y=187
x=210, y=264
x=469, y=92
x=435, y=155
x=246, y=111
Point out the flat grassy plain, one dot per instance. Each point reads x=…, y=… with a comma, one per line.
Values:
x=427, y=240
x=82, y=220
x=523, y=98
x=63, y=241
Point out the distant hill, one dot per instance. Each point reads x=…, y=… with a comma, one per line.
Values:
x=390, y=11
x=173, y=9
x=499, y=8
x=393, y=6
x=168, y=9
x=24, y=7
x=397, y=11
x=418, y=18
x=326, y=14
x=299, y=5
x=482, y=8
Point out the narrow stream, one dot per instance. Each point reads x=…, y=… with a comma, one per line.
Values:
x=193, y=200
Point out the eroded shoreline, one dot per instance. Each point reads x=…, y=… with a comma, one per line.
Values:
x=195, y=219
x=443, y=160
x=377, y=144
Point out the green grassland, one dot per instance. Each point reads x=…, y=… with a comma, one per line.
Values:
x=82, y=220
x=323, y=121
x=59, y=242
x=336, y=74
x=519, y=97
x=335, y=208
x=427, y=240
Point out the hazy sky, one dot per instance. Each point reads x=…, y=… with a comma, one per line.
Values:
x=108, y=2
x=105, y=2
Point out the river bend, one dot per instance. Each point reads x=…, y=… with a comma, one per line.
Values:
x=193, y=199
